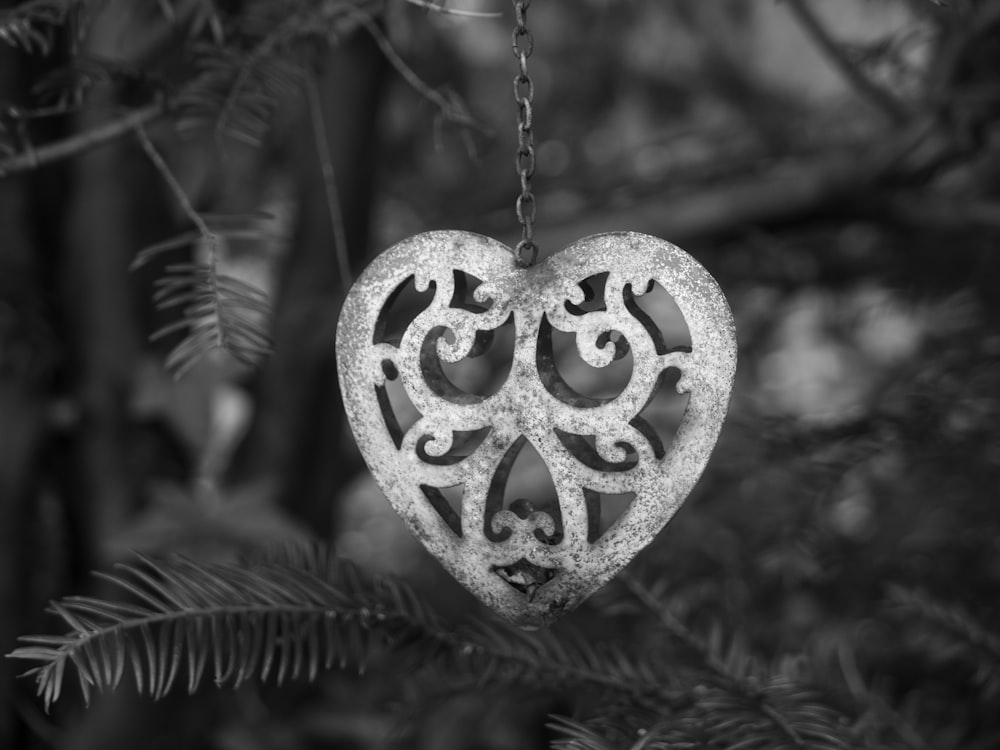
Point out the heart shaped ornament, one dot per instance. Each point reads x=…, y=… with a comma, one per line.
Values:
x=442, y=451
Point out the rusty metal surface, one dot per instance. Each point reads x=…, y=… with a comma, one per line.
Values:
x=533, y=575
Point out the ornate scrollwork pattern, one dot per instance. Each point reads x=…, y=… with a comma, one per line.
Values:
x=531, y=566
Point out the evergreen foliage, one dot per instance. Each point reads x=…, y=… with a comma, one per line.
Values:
x=246, y=59
x=32, y=25
x=708, y=657
x=219, y=311
x=288, y=614
x=291, y=613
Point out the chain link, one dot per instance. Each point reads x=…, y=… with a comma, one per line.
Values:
x=524, y=92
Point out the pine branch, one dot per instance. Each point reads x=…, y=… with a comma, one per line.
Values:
x=219, y=311
x=675, y=627
x=287, y=615
x=249, y=78
x=329, y=184
x=875, y=709
x=31, y=159
x=683, y=731
x=236, y=92
x=252, y=68
x=894, y=110
x=951, y=620
x=31, y=25
x=577, y=735
x=741, y=692
x=249, y=621
x=176, y=188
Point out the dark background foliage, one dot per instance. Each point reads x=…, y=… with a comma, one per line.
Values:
x=835, y=166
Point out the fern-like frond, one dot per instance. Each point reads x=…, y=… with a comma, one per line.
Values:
x=219, y=312
x=577, y=735
x=781, y=715
x=682, y=731
x=234, y=95
x=752, y=705
x=240, y=84
x=288, y=614
x=501, y=654
x=271, y=618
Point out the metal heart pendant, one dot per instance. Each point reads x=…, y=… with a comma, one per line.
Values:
x=442, y=442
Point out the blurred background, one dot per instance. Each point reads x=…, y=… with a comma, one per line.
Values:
x=836, y=167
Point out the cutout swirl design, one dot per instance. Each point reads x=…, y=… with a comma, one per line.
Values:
x=529, y=565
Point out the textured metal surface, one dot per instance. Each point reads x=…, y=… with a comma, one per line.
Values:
x=532, y=575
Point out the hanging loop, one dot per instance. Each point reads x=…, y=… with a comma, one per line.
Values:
x=523, y=44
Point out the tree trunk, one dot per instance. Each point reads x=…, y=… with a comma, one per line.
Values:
x=27, y=357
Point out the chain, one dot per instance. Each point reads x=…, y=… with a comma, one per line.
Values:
x=524, y=91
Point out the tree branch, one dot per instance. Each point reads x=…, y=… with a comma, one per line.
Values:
x=452, y=110
x=834, y=52
x=730, y=679
x=329, y=182
x=784, y=192
x=177, y=189
x=860, y=181
x=30, y=159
